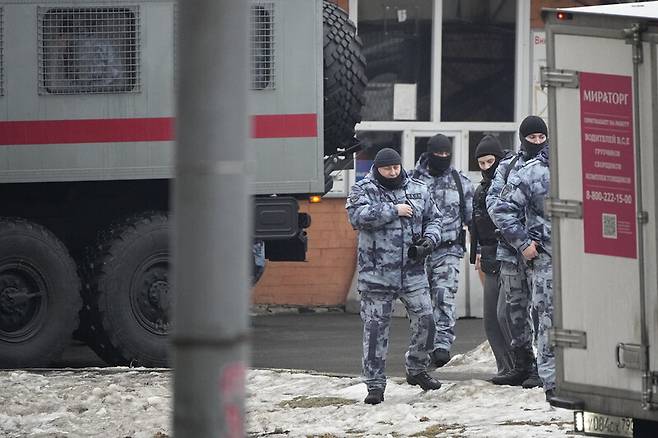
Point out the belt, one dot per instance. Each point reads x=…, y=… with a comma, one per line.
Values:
x=448, y=243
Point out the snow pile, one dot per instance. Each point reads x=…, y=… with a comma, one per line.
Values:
x=479, y=360
x=123, y=402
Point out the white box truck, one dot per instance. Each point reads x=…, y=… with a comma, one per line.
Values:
x=87, y=112
x=601, y=75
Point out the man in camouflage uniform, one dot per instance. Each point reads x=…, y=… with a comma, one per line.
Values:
x=445, y=182
x=393, y=213
x=258, y=252
x=514, y=276
x=525, y=193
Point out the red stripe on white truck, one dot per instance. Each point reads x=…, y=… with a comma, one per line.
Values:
x=284, y=125
x=86, y=131
x=26, y=132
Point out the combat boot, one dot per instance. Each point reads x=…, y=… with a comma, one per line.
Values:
x=375, y=396
x=520, y=372
x=533, y=380
x=424, y=380
x=440, y=357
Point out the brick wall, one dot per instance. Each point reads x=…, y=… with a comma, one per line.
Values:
x=324, y=279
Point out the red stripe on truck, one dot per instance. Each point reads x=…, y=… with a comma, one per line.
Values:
x=284, y=125
x=86, y=131
x=26, y=132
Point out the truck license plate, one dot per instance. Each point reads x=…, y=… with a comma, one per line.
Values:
x=607, y=425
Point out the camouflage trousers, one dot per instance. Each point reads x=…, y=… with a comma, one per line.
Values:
x=443, y=276
x=515, y=285
x=542, y=303
x=376, y=310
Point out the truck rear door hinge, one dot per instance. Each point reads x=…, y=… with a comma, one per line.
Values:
x=564, y=208
x=567, y=338
x=558, y=78
x=629, y=356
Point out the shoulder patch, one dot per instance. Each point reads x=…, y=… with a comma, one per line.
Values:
x=356, y=193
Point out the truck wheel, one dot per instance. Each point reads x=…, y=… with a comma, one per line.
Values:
x=39, y=295
x=128, y=304
x=344, y=78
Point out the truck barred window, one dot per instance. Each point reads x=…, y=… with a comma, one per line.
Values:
x=88, y=50
x=262, y=46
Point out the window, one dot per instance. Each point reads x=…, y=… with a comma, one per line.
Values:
x=88, y=50
x=397, y=45
x=478, y=58
x=262, y=46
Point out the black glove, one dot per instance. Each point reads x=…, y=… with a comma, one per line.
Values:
x=420, y=249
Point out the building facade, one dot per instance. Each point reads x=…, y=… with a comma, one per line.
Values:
x=464, y=68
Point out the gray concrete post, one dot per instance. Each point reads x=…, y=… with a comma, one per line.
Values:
x=211, y=239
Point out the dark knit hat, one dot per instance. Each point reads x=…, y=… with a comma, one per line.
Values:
x=387, y=157
x=489, y=145
x=532, y=125
x=439, y=143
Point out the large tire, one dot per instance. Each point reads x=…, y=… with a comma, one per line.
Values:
x=344, y=78
x=128, y=302
x=39, y=295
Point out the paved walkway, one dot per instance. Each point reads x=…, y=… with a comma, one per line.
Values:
x=326, y=342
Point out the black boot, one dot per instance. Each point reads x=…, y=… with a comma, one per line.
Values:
x=375, y=396
x=520, y=372
x=533, y=380
x=424, y=380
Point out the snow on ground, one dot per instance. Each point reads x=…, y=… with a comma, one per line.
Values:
x=137, y=403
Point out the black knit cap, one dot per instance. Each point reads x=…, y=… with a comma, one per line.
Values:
x=387, y=157
x=532, y=125
x=439, y=143
x=489, y=145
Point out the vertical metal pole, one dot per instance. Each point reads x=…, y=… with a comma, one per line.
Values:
x=210, y=210
x=556, y=220
x=634, y=38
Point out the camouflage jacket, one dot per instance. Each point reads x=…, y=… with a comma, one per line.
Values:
x=385, y=237
x=505, y=251
x=446, y=195
x=524, y=196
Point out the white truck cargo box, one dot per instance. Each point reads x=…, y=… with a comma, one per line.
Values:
x=603, y=124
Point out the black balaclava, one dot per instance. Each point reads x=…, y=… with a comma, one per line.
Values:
x=388, y=157
x=438, y=143
x=532, y=125
x=489, y=145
